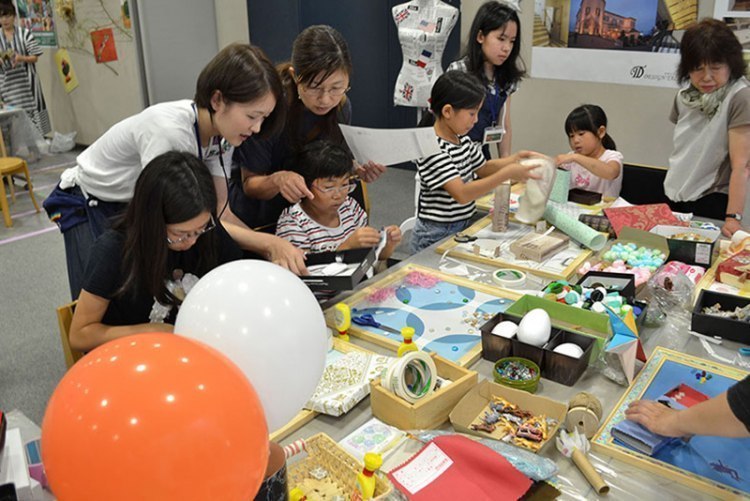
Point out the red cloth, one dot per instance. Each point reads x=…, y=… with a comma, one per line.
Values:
x=641, y=217
x=467, y=470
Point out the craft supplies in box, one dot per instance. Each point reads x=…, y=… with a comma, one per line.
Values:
x=329, y=469
x=539, y=247
x=338, y=270
x=429, y=411
x=689, y=245
x=411, y=377
x=566, y=357
x=517, y=372
x=722, y=315
x=477, y=402
x=735, y=271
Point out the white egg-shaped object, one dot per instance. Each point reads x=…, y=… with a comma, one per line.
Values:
x=506, y=329
x=569, y=349
x=535, y=327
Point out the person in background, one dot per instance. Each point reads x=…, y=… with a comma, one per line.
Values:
x=492, y=55
x=236, y=93
x=19, y=53
x=331, y=220
x=450, y=181
x=726, y=415
x=139, y=271
x=594, y=164
x=315, y=84
x=708, y=169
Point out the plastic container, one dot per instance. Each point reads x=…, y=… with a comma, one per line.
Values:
x=530, y=385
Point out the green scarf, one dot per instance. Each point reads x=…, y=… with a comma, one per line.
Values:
x=709, y=103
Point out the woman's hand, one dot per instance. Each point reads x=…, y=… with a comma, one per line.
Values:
x=655, y=417
x=291, y=186
x=731, y=225
x=370, y=171
x=287, y=256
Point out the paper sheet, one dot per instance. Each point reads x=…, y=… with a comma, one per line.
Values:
x=390, y=146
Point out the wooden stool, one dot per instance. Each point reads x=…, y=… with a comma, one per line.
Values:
x=8, y=167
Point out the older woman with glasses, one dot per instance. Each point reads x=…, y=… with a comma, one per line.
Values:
x=316, y=81
x=139, y=272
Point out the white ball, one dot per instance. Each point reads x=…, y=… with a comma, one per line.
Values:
x=535, y=327
x=569, y=349
x=506, y=329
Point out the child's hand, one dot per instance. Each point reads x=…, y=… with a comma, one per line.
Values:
x=519, y=172
x=361, y=238
x=393, y=235
x=565, y=158
x=370, y=171
x=523, y=154
x=291, y=186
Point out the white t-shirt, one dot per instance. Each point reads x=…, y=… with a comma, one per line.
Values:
x=582, y=178
x=109, y=168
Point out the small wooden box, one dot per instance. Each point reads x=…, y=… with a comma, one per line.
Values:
x=429, y=412
x=537, y=247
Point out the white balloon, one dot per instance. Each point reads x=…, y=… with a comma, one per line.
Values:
x=268, y=322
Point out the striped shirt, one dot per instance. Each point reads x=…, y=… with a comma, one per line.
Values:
x=19, y=84
x=455, y=160
x=307, y=234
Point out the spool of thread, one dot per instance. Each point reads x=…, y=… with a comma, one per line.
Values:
x=508, y=278
x=584, y=414
x=411, y=377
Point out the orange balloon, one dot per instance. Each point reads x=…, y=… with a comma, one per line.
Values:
x=154, y=417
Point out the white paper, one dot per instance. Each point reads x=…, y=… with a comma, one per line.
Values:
x=390, y=146
x=424, y=469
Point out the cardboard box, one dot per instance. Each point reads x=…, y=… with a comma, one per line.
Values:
x=584, y=197
x=562, y=368
x=474, y=402
x=539, y=247
x=429, y=412
x=365, y=258
x=689, y=252
x=713, y=325
x=565, y=317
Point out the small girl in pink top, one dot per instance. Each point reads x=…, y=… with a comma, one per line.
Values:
x=594, y=163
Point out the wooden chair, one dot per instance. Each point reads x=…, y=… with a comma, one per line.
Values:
x=8, y=167
x=64, y=319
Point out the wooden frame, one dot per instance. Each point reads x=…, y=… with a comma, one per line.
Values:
x=604, y=442
x=358, y=331
x=709, y=278
x=453, y=249
x=305, y=415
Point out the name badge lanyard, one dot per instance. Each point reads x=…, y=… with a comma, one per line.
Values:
x=495, y=132
x=495, y=105
x=221, y=157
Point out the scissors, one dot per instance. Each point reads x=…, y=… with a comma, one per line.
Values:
x=368, y=320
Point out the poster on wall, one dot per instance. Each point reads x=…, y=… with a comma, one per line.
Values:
x=36, y=15
x=632, y=42
x=65, y=70
x=103, y=41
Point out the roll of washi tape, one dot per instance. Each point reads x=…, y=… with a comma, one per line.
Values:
x=411, y=377
x=584, y=414
x=508, y=278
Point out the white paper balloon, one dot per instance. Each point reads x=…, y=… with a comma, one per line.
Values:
x=268, y=322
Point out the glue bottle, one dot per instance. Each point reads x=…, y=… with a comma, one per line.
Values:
x=365, y=486
x=296, y=494
x=407, y=345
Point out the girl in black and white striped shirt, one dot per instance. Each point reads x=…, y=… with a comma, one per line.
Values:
x=450, y=181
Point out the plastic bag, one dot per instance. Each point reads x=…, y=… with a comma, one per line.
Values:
x=62, y=142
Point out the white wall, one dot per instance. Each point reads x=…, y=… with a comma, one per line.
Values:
x=638, y=116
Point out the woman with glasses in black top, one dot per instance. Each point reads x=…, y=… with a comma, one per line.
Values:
x=140, y=271
x=315, y=83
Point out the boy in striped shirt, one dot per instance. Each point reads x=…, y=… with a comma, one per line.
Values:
x=330, y=220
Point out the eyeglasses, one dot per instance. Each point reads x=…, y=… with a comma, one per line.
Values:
x=210, y=225
x=318, y=92
x=344, y=189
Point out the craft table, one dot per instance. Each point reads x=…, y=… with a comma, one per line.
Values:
x=625, y=481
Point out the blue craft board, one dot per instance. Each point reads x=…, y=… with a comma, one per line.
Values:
x=415, y=306
x=722, y=460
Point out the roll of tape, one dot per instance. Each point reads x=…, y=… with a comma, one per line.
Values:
x=411, y=377
x=508, y=278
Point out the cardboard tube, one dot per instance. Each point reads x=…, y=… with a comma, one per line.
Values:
x=583, y=464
